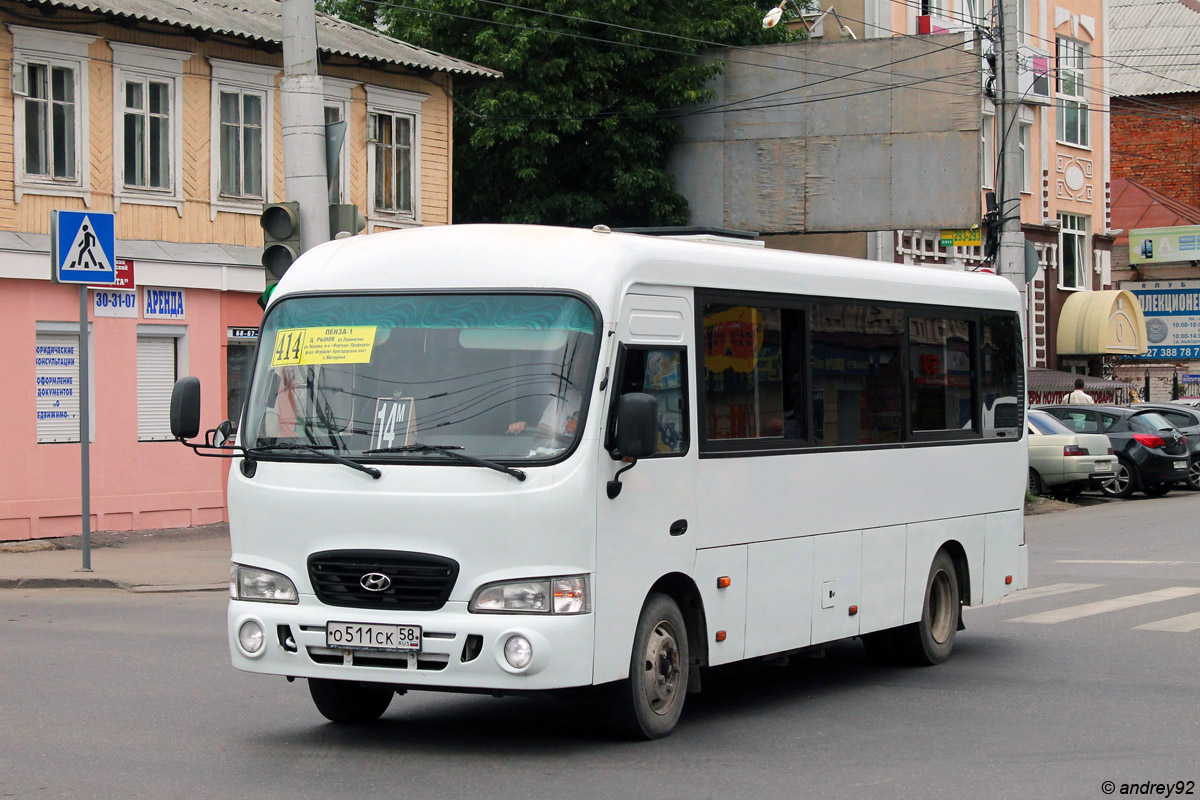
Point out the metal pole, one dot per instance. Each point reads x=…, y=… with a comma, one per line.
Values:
x=85, y=428
x=302, y=103
x=1011, y=256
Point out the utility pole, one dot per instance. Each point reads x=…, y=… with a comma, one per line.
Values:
x=302, y=98
x=1011, y=255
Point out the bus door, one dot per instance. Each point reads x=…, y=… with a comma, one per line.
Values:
x=646, y=531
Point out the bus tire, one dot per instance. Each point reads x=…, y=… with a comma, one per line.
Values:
x=930, y=640
x=349, y=702
x=649, y=702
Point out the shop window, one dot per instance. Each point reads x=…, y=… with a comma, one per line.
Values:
x=158, y=356
x=239, y=364
x=56, y=377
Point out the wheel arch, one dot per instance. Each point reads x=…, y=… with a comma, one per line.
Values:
x=682, y=589
x=958, y=555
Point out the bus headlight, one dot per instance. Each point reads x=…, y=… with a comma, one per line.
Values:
x=569, y=594
x=261, y=585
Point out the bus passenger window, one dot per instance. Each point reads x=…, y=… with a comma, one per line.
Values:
x=939, y=381
x=743, y=372
x=858, y=383
x=1000, y=364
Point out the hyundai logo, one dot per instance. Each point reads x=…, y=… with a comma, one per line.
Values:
x=375, y=582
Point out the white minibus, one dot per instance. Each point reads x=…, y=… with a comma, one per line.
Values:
x=508, y=459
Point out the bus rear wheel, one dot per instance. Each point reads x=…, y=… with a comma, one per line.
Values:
x=349, y=702
x=650, y=700
x=930, y=640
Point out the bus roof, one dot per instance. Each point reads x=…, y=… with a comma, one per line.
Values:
x=603, y=265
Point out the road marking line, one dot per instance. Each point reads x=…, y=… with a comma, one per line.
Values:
x=1040, y=591
x=1103, y=606
x=1184, y=624
x=1150, y=563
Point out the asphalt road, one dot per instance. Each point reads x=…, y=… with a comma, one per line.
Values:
x=109, y=694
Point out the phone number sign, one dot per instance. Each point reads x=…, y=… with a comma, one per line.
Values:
x=1172, y=312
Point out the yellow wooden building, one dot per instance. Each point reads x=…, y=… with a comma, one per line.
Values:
x=168, y=114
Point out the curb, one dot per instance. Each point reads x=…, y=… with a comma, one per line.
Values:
x=106, y=583
x=61, y=583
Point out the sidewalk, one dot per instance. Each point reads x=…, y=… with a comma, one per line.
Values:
x=168, y=560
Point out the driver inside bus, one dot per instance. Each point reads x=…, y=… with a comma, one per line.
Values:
x=560, y=418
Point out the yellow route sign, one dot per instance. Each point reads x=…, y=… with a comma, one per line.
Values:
x=962, y=237
x=305, y=346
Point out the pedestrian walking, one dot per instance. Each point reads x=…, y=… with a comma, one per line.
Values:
x=1079, y=397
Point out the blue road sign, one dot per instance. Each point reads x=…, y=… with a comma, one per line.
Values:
x=83, y=247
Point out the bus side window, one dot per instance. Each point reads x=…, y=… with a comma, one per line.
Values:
x=660, y=373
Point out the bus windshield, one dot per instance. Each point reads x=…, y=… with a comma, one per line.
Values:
x=497, y=376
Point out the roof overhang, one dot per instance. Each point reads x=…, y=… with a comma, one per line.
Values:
x=1102, y=323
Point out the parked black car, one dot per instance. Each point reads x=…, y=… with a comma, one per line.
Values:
x=1187, y=419
x=1151, y=453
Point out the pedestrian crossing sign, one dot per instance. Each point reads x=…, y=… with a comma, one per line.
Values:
x=83, y=247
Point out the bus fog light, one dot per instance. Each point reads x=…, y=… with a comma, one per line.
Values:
x=518, y=652
x=250, y=637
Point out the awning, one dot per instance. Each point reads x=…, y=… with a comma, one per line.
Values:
x=1093, y=323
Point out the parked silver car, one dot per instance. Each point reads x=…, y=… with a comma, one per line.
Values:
x=1064, y=462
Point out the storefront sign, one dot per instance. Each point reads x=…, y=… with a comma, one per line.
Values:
x=962, y=237
x=114, y=303
x=124, y=275
x=56, y=375
x=1164, y=245
x=162, y=303
x=1172, y=311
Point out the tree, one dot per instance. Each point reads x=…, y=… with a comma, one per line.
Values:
x=579, y=129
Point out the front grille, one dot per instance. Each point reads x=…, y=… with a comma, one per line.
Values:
x=419, y=581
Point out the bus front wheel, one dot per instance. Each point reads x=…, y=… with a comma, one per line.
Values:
x=349, y=701
x=930, y=641
x=650, y=700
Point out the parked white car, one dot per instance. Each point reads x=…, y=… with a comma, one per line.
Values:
x=1064, y=462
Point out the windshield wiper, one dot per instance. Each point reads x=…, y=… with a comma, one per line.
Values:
x=374, y=473
x=450, y=450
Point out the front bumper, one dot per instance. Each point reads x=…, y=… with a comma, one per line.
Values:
x=450, y=657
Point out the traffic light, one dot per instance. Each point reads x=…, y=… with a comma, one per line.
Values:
x=281, y=237
x=345, y=218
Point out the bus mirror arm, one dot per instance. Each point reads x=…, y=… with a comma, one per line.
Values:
x=637, y=433
x=613, y=487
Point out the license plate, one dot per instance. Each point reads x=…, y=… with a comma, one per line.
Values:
x=364, y=636
x=1103, y=466
x=1180, y=465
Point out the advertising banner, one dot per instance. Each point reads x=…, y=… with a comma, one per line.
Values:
x=1164, y=245
x=1172, y=311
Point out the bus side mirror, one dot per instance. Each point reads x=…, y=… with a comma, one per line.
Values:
x=637, y=425
x=637, y=433
x=185, y=408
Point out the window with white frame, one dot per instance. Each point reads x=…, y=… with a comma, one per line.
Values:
x=337, y=109
x=159, y=350
x=987, y=133
x=393, y=140
x=1071, y=59
x=147, y=101
x=335, y=113
x=1023, y=133
x=1073, y=251
x=49, y=84
x=242, y=98
x=241, y=141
